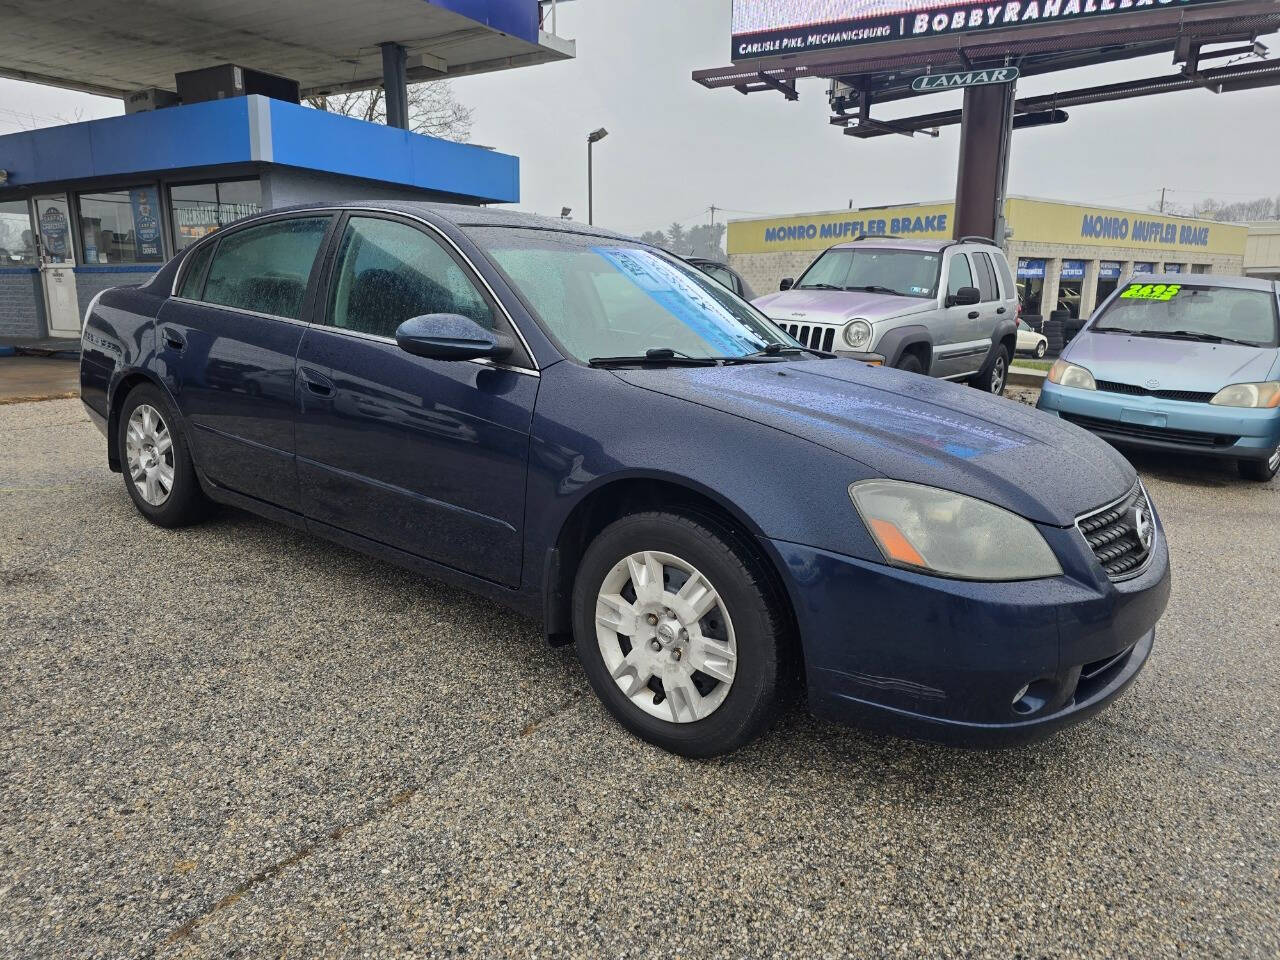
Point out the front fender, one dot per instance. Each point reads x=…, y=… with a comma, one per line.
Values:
x=893, y=342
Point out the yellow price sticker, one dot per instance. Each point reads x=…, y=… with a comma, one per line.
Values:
x=1151, y=291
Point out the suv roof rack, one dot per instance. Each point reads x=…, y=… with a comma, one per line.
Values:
x=874, y=236
x=976, y=239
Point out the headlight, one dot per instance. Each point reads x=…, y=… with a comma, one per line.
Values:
x=937, y=531
x=1069, y=375
x=1249, y=395
x=858, y=334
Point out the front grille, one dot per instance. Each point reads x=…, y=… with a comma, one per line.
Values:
x=1115, y=534
x=812, y=336
x=1189, y=438
x=1132, y=390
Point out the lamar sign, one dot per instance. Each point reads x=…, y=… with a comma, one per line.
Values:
x=970, y=78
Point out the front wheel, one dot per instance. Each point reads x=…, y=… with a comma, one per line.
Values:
x=1260, y=470
x=679, y=633
x=1041, y=349
x=997, y=375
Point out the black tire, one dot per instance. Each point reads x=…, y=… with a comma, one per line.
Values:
x=1260, y=470
x=910, y=363
x=185, y=503
x=756, y=613
x=996, y=376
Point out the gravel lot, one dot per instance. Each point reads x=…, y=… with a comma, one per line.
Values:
x=235, y=740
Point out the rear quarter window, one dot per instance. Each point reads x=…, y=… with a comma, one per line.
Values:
x=265, y=268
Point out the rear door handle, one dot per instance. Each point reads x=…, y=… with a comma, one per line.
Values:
x=174, y=339
x=317, y=383
x=999, y=309
x=974, y=315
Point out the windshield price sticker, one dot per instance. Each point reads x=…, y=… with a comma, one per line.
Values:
x=1151, y=291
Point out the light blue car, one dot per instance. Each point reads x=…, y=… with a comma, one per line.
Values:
x=1178, y=362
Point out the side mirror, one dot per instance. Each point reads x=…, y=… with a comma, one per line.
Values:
x=451, y=336
x=965, y=297
x=787, y=283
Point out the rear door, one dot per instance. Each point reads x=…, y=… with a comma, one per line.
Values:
x=957, y=326
x=993, y=309
x=428, y=456
x=226, y=344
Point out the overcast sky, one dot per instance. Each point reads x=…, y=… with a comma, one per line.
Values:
x=675, y=148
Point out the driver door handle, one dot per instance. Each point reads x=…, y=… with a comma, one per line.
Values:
x=174, y=339
x=974, y=315
x=317, y=383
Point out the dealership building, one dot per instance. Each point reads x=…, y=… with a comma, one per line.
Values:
x=203, y=142
x=1067, y=256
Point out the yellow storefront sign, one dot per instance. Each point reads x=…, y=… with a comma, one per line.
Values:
x=1044, y=221
x=820, y=230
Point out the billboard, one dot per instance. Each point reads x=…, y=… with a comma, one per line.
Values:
x=768, y=28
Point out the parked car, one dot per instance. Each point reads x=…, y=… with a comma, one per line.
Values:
x=944, y=308
x=598, y=435
x=1179, y=364
x=725, y=275
x=1036, y=344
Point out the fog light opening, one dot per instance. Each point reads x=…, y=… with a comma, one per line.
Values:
x=1032, y=697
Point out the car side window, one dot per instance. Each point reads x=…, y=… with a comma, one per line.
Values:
x=986, y=278
x=388, y=272
x=192, y=286
x=959, y=275
x=266, y=268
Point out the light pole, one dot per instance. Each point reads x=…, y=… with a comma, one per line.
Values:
x=592, y=139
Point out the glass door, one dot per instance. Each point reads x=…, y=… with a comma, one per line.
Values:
x=57, y=266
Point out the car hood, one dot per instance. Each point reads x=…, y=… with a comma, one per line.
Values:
x=908, y=427
x=837, y=306
x=1173, y=364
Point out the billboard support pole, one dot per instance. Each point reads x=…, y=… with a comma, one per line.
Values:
x=986, y=129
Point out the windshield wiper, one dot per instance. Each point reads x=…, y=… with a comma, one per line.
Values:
x=656, y=356
x=772, y=351
x=875, y=288
x=1196, y=335
x=818, y=286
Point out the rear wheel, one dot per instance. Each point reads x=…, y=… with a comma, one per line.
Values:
x=678, y=633
x=1042, y=347
x=1260, y=470
x=996, y=376
x=157, y=467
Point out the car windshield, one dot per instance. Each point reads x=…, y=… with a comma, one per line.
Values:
x=1186, y=311
x=907, y=273
x=598, y=297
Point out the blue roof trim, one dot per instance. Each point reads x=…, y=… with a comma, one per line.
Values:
x=336, y=144
x=256, y=130
x=8, y=271
x=516, y=17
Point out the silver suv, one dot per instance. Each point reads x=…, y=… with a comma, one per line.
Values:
x=944, y=308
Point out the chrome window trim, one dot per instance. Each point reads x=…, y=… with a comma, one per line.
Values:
x=248, y=313
x=1138, y=487
x=467, y=261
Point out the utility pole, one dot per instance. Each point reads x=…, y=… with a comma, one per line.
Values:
x=713, y=216
x=1163, y=190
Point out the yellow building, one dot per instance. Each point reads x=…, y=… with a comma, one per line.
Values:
x=1262, y=256
x=1067, y=255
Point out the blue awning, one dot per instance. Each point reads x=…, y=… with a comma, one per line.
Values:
x=1072, y=269
x=1109, y=269
x=1030, y=269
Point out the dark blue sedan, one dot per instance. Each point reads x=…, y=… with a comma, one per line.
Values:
x=598, y=435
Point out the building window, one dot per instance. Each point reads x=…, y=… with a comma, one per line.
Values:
x=120, y=227
x=1030, y=285
x=17, y=242
x=1108, y=279
x=1070, y=287
x=1202, y=268
x=201, y=208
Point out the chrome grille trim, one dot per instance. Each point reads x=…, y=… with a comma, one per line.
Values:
x=1110, y=535
x=815, y=336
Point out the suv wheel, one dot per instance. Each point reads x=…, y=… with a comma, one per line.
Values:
x=1260, y=470
x=678, y=633
x=910, y=363
x=996, y=377
x=157, y=467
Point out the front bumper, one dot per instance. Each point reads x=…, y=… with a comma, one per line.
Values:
x=944, y=660
x=1150, y=423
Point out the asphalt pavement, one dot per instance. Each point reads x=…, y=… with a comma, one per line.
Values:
x=234, y=740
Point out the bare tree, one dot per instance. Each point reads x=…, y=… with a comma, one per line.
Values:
x=433, y=109
x=1263, y=208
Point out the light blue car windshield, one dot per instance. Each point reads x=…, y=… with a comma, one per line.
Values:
x=1180, y=310
x=603, y=298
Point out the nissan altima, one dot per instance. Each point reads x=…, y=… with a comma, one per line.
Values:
x=596, y=434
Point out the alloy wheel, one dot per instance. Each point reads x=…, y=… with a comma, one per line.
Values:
x=149, y=452
x=997, y=376
x=665, y=637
